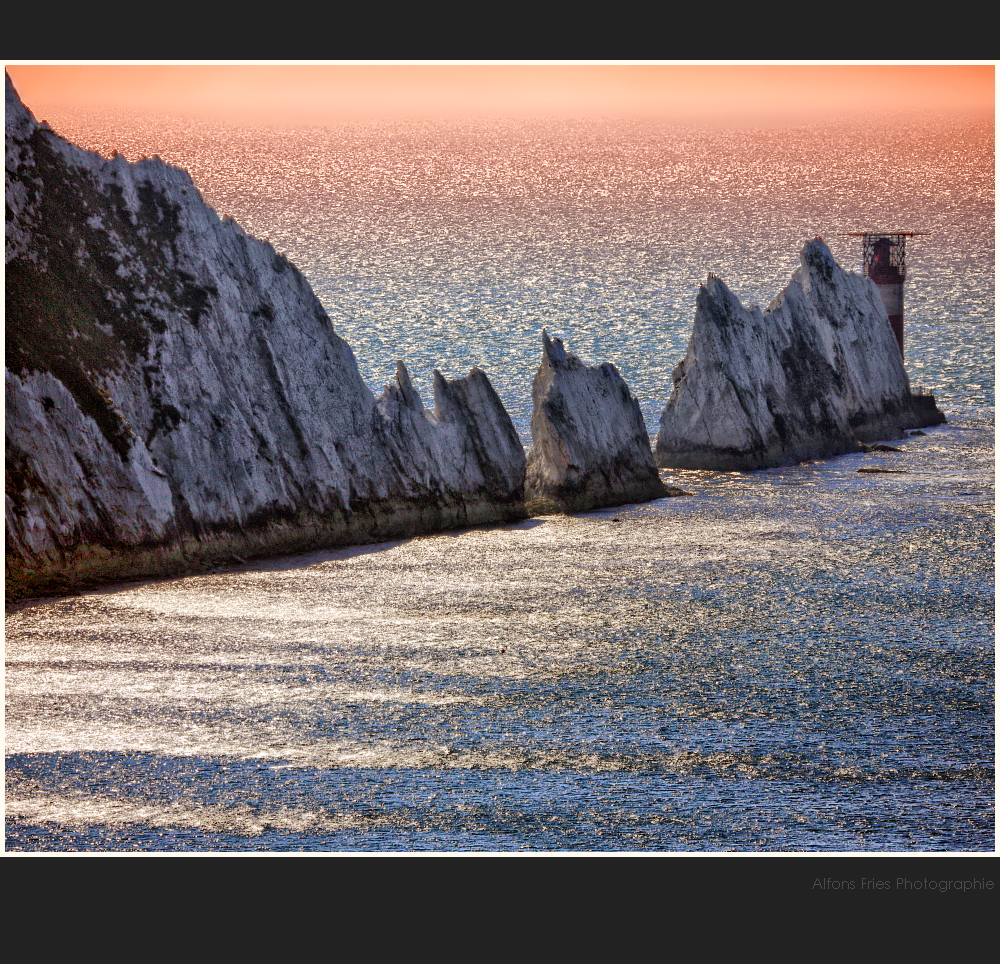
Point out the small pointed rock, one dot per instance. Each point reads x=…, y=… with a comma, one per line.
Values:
x=590, y=447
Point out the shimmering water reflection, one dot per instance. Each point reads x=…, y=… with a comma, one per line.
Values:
x=781, y=661
x=799, y=659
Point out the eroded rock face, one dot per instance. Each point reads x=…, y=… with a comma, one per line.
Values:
x=590, y=447
x=466, y=453
x=175, y=393
x=812, y=376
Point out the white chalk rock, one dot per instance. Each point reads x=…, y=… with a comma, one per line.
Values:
x=813, y=376
x=467, y=452
x=590, y=447
x=176, y=393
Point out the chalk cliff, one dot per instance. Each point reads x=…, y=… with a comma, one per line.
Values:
x=175, y=393
x=815, y=374
x=589, y=447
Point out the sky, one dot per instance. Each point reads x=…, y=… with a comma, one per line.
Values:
x=318, y=93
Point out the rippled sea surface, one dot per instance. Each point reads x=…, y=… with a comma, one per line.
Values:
x=793, y=660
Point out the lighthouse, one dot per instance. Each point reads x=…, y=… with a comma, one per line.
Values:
x=883, y=257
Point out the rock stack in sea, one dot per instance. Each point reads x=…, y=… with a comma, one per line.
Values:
x=813, y=376
x=176, y=396
x=590, y=447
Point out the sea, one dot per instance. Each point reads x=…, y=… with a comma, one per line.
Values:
x=785, y=661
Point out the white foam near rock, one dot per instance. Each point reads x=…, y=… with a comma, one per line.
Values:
x=813, y=376
x=590, y=447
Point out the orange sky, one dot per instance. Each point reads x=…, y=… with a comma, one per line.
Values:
x=319, y=93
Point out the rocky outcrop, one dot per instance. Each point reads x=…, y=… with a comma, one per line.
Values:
x=175, y=393
x=813, y=376
x=590, y=447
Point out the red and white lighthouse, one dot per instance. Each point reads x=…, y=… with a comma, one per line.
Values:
x=883, y=257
